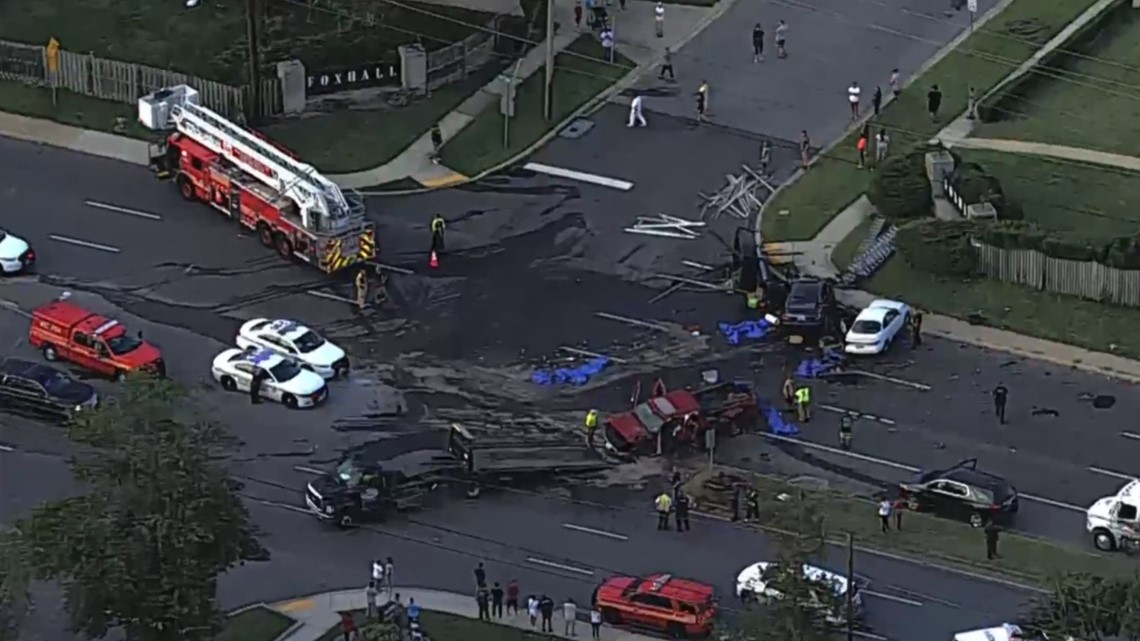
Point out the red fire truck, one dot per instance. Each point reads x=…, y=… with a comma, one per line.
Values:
x=291, y=206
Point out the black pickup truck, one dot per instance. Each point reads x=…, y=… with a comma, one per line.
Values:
x=362, y=489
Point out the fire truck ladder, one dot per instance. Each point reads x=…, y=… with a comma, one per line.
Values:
x=322, y=204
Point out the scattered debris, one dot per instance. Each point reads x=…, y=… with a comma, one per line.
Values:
x=1044, y=411
x=739, y=197
x=1103, y=401
x=666, y=227
x=587, y=353
x=660, y=327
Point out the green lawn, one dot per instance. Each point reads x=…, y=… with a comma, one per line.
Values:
x=255, y=624
x=70, y=109
x=844, y=251
x=1096, y=106
x=982, y=61
x=479, y=146
x=926, y=537
x=1093, y=201
x=441, y=626
x=353, y=140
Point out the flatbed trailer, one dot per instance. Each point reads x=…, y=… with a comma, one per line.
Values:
x=517, y=457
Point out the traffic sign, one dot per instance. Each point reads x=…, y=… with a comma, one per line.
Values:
x=52, y=55
x=972, y=5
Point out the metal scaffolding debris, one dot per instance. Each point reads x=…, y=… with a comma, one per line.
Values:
x=666, y=227
x=739, y=197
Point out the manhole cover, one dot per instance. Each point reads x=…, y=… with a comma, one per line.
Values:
x=577, y=129
x=1103, y=401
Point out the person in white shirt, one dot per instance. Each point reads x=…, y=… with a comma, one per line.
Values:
x=659, y=19
x=885, y=515
x=635, y=115
x=882, y=145
x=853, y=99
x=378, y=571
x=532, y=609
x=596, y=623
x=570, y=617
x=608, y=43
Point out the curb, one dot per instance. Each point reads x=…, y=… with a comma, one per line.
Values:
x=1110, y=372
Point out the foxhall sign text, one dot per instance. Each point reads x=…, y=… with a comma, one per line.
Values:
x=363, y=76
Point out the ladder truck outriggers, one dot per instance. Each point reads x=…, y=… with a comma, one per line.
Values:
x=291, y=206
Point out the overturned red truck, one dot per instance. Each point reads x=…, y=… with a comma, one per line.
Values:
x=671, y=420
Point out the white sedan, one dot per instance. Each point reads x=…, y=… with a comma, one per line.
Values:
x=876, y=327
x=294, y=340
x=285, y=381
x=16, y=254
x=752, y=585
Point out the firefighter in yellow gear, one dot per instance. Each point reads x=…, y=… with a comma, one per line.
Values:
x=361, y=283
x=803, y=403
x=437, y=227
x=663, y=504
x=591, y=426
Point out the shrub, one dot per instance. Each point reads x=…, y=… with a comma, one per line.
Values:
x=1123, y=253
x=1012, y=235
x=1073, y=246
x=938, y=246
x=900, y=189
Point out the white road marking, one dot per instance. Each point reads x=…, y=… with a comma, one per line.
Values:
x=84, y=243
x=590, y=530
x=5, y=448
x=868, y=635
x=13, y=307
x=891, y=597
x=552, y=564
x=613, y=183
x=320, y=294
x=911, y=468
x=278, y=504
x=1115, y=475
x=922, y=387
x=122, y=210
x=856, y=414
x=308, y=470
x=1132, y=435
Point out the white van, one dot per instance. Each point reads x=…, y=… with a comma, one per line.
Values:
x=1113, y=519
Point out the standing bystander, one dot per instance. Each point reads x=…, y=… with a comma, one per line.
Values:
x=885, y=515
x=570, y=618
x=882, y=146
x=497, y=600
x=934, y=102
x=781, y=40
x=666, y=65
x=512, y=597
x=896, y=83
x=805, y=149
x=658, y=18
x=853, y=93
x=757, y=43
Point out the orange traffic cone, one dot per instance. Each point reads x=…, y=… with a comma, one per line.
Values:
x=433, y=262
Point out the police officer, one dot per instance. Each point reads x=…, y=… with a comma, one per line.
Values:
x=682, y=512
x=803, y=403
x=255, y=385
x=753, y=500
x=992, y=532
x=437, y=227
x=846, y=426
x=361, y=283
x=916, y=327
x=663, y=504
x=591, y=426
x=1000, y=394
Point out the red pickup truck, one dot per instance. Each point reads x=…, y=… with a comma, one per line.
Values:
x=65, y=331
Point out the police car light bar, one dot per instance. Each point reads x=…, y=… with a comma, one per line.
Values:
x=283, y=326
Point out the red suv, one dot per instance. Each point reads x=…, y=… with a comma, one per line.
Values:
x=681, y=608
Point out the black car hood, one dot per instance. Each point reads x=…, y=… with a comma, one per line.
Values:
x=73, y=393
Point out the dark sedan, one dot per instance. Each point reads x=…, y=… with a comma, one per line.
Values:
x=33, y=388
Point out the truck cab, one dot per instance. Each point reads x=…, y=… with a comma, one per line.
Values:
x=62, y=330
x=670, y=419
x=1114, y=521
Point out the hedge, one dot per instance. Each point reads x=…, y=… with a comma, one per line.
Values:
x=940, y=247
x=900, y=189
x=1007, y=100
x=1121, y=253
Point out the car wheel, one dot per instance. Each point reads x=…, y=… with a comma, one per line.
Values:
x=1103, y=540
x=345, y=521
x=611, y=616
x=675, y=630
x=50, y=353
x=290, y=401
x=284, y=247
x=229, y=384
x=341, y=371
x=976, y=520
x=186, y=188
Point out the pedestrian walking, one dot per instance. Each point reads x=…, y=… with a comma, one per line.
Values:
x=896, y=83
x=570, y=618
x=532, y=609
x=482, y=599
x=578, y=15
x=658, y=18
x=882, y=146
x=636, y=118
x=1000, y=394
x=370, y=599
x=992, y=533
x=666, y=65
x=853, y=93
x=971, y=104
x=436, y=142
x=608, y=42
x=512, y=597
x=897, y=509
x=885, y=515
x=682, y=512
x=595, y=623
x=934, y=102
x=877, y=99
x=546, y=608
x=753, y=498
x=438, y=227
x=861, y=146
x=497, y=600
x=480, y=576
x=805, y=149
x=916, y=328
x=781, y=40
x=765, y=157
x=757, y=43
x=702, y=100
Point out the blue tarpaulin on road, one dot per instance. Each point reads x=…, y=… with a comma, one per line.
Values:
x=571, y=375
x=777, y=424
x=735, y=332
x=816, y=367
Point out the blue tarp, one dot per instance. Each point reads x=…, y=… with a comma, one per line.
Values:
x=816, y=367
x=573, y=376
x=735, y=332
x=777, y=424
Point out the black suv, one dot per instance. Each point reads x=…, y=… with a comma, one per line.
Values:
x=962, y=492
x=809, y=303
x=32, y=388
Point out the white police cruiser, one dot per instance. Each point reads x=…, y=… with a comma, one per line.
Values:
x=16, y=254
x=296, y=341
x=287, y=383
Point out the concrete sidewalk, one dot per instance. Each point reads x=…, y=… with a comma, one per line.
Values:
x=1080, y=154
x=317, y=614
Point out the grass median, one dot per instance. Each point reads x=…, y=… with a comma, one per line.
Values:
x=580, y=74
x=926, y=538
x=255, y=624
x=981, y=61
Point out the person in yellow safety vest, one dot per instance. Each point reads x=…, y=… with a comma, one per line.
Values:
x=361, y=282
x=788, y=390
x=663, y=504
x=803, y=403
x=591, y=426
x=437, y=227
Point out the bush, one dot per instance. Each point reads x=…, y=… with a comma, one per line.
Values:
x=1012, y=235
x=900, y=190
x=1073, y=246
x=938, y=246
x=1123, y=253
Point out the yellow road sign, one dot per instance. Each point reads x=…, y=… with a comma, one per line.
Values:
x=53, y=55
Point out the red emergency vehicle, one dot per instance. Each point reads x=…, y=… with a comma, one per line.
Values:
x=678, y=607
x=679, y=418
x=65, y=331
x=291, y=206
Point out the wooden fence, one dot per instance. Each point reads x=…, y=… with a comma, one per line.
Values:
x=1088, y=280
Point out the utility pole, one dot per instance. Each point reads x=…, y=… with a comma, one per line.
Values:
x=253, y=57
x=850, y=586
x=548, y=101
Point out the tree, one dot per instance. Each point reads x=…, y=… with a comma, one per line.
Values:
x=15, y=579
x=807, y=607
x=1088, y=607
x=143, y=547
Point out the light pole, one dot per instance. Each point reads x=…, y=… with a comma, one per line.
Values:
x=548, y=100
